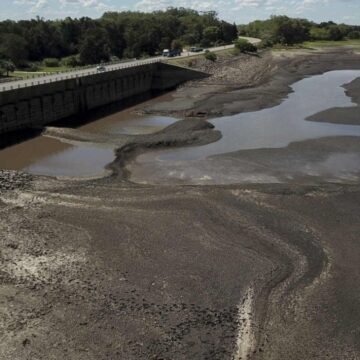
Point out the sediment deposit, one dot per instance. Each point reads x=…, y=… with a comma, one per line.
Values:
x=108, y=269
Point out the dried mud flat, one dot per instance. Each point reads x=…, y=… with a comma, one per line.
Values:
x=106, y=269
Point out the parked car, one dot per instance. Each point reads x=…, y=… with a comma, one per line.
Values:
x=196, y=49
x=171, y=53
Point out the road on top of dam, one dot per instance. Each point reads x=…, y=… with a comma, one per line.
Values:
x=38, y=80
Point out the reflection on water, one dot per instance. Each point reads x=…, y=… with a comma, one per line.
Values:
x=128, y=123
x=82, y=161
x=20, y=156
x=86, y=160
x=279, y=126
x=49, y=156
x=276, y=127
x=245, y=133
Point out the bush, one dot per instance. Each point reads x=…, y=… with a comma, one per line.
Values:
x=244, y=46
x=354, y=35
x=114, y=58
x=235, y=51
x=210, y=56
x=31, y=67
x=51, y=62
x=265, y=43
x=71, y=61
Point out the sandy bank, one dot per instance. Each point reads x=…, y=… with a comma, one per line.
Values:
x=347, y=115
x=257, y=83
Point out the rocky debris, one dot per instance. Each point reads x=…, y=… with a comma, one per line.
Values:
x=11, y=180
x=229, y=70
x=198, y=114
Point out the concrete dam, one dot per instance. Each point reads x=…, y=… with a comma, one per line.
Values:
x=37, y=105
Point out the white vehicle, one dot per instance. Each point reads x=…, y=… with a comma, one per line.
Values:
x=100, y=68
x=166, y=52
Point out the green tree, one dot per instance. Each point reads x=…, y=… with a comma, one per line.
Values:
x=229, y=32
x=176, y=44
x=14, y=48
x=115, y=35
x=354, y=35
x=335, y=33
x=317, y=33
x=211, y=34
x=94, y=47
x=289, y=31
x=6, y=66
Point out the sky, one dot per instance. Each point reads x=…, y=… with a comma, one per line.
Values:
x=238, y=11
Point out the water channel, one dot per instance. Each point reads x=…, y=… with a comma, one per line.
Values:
x=249, y=150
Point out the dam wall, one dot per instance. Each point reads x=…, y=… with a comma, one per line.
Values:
x=37, y=105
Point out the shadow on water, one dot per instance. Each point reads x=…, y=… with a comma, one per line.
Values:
x=106, y=110
x=19, y=136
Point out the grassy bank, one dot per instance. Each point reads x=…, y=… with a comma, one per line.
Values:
x=39, y=72
x=185, y=61
x=322, y=44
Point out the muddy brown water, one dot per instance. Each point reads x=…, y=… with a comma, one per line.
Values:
x=43, y=155
x=271, y=128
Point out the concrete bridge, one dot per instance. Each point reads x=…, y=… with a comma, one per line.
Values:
x=38, y=102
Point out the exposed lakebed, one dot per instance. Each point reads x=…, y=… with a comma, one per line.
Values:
x=271, y=145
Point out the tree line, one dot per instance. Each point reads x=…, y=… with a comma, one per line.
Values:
x=114, y=35
x=289, y=31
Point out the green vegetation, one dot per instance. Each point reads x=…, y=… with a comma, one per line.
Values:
x=287, y=31
x=6, y=67
x=51, y=62
x=209, y=55
x=71, y=61
x=53, y=69
x=75, y=42
x=25, y=74
x=191, y=60
x=312, y=44
x=244, y=46
x=51, y=46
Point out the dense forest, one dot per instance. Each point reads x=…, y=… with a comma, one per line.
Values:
x=115, y=35
x=118, y=35
x=285, y=30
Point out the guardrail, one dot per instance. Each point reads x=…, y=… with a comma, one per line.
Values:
x=7, y=80
x=76, y=73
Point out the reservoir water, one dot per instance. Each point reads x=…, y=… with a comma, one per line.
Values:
x=254, y=136
x=249, y=136
x=43, y=155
